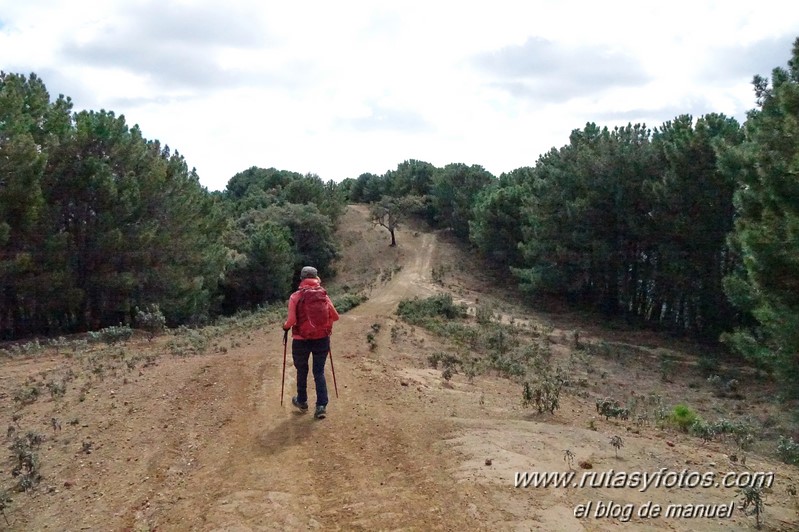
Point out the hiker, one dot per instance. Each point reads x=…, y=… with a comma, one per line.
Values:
x=311, y=317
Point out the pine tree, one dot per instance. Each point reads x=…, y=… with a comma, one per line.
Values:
x=454, y=189
x=496, y=225
x=29, y=124
x=692, y=213
x=767, y=228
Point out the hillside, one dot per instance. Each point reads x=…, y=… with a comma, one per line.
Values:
x=187, y=432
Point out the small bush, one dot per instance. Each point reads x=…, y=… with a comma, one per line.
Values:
x=371, y=336
x=617, y=443
x=707, y=366
x=788, y=450
x=576, y=340
x=545, y=394
x=5, y=500
x=27, y=395
x=446, y=359
x=439, y=306
x=347, y=302
x=28, y=348
x=112, y=335
x=189, y=342
x=396, y=332
x=752, y=503
x=32, y=347
x=702, y=429
x=455, y=332
x=471, y=367
x=598, y=348
x=439, y=273
x=667, y=366
x=26, y=460
x=683, y=417
x=58, y=343
x=151, y=319
x=56, y=389
x=742, y=433
x=498, y=339
x=506, y=364
x=484, y=313
x=723, y=387
x=612, y=408
x=654, y=405
x=371, y=340
x=449, y=363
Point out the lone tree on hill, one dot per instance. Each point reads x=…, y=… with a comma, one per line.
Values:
x=390, y=211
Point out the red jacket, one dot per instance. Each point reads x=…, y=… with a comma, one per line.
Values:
x=292, y=317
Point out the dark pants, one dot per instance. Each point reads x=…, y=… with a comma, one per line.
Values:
x=300, y=351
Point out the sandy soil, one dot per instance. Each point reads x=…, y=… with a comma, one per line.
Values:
x=202, y=442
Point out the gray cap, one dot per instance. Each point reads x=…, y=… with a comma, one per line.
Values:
x=308, y=272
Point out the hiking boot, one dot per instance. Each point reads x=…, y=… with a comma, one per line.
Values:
x=301, y=406
x=320, y=412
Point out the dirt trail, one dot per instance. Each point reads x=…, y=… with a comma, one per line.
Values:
x=202, y=443
x=372, y=464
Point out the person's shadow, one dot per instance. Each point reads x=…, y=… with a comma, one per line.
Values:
x=288, y=432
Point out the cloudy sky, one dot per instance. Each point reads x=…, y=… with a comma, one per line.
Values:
x=342, y=88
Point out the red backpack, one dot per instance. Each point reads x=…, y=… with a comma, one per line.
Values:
x=313, y=317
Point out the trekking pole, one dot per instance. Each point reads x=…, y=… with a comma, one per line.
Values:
x=333, y=369
x=283, y=380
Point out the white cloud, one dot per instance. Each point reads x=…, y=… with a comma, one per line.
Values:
x=348, y=87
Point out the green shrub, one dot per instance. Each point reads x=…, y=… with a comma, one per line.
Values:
x=26, y=467
x=740, y=431
x=497, y=339
x=752, y=496
x=446, y=359
x=347, y=302
x=449, y=363
x=439, y=306
x=188, y=342
x=151, y=319
x=27, y=394
x=57, y=389
x=702, y=429
x=545, y=394
x=112, y=335
x=506, y=364
x=612, y=408
x=32, y=347
x=788, y=450
x=28, y=348
x=484, y=313
x=683, y=417
x=455, y=332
